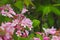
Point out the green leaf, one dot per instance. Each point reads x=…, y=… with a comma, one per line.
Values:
x=15, y=36
x=56, y=5
x=28, y=2
x=50, y=20
x=39, y=36
x=20, y=38
x=36, y=23
x=45, y=25
x=2, y=2
x=4, y=19
x=39, y=8
x=55, y=10
x=19, y=4
x=7, y=19
x=30, y=36
x=46, y=10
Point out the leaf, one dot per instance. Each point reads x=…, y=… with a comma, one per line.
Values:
x=7, y=19
x=46, y=10
x=50, y=20
x=30, y=36
x=45, y=25
x=39, y=8
x=4, y=19
x=19, y=4
x=36, y=23
x=20, y=38
x=28, y=2
x=56, y=5
x=15, y=36
x=55, y=10
x=2, y=2
x=39, y=36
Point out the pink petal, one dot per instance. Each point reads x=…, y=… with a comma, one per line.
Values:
x=24, y=10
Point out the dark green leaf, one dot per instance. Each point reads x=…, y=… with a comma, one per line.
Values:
x=28, y=2
x=55, y=10
x=2, y=2
x=50, y=20
x=19, y=4
x=46, y=10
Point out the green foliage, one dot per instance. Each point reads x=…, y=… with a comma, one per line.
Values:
x=15, y=36
x=39, y=36
x=28, y=2
x=2, y=2
x=46, y=10
x=19, y=4
x=4, y=19
x=36, y=23
x=56, y=11
x=22, y=38
x=50, y=20
x=45, y=25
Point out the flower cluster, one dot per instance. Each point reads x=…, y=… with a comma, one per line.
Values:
x=48, y=34
x=6, y=10
x=18, y=25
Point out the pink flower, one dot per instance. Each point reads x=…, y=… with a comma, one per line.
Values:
x=36, y=38
x=26, y=22
x=7, y=31
x=46, y=38
x=55, y=38
x=26, y=32
x=7, y=11
x=15, y=22
x=1, y=8
x=7, y=36
x=24, y=11
x=40, y=33
x=1, y=38
x=50, y=31
x=22, y=34
x=18, y=33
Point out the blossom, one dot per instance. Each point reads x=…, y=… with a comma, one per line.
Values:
x=1, y=38
x=7, y=26
x=46, y=38
x=50, y=31
x=15, y=22
x=24, y=10
x=26, y=32
x=18, y=23
x=7, y=11
x=6, y=31
x=36, y=38
x=40, y=33
x=55, y=38
x=22, y=34
x=26, y=22
x=18, y=33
